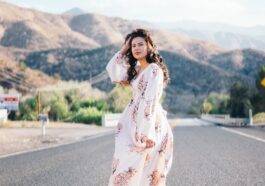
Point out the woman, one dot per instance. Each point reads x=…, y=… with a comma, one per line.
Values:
x=144, y=140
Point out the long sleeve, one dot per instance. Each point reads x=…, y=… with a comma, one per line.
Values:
x=144, y=134
x=117, y=68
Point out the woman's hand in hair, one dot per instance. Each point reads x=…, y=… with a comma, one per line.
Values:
x=125, y=46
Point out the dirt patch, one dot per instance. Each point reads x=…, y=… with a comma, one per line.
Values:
x=22, y=136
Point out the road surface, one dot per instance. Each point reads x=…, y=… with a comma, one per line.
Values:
x=203, y=155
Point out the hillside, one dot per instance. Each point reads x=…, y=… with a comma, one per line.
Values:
x=20, y=77
x=190, y=78
x=34, y=30
x=245, y=62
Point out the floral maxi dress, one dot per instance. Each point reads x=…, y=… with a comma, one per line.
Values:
x=143, y=139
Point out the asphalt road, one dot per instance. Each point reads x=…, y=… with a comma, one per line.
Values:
x=203, y=155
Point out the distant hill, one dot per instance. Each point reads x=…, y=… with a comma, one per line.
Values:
x=34, y=30
x=245, y=62
x=75, y=11
x=252, y=31
x=227, y=36
x=227, y=40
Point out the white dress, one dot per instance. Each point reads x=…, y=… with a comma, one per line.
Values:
x=143, y=140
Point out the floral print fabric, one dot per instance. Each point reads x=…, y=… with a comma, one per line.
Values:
x=143, y=139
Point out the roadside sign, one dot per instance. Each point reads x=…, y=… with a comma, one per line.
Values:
x=43, y=117
x=263, y=82
x=45, y=120
x=9, y=101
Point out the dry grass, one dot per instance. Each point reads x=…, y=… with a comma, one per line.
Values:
x=10, y=70
x=83, y=88
x=259, y=118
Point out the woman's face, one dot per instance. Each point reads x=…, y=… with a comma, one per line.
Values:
x=139, y=48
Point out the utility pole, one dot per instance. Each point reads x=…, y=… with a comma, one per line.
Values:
x=38, y=103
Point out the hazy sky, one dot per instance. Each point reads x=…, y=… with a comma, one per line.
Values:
x=236, y=12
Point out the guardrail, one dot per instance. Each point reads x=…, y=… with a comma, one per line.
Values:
x=110, y=120
x=225, y=120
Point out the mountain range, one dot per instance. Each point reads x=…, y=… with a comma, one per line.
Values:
x=77, y=46
x=225, y=35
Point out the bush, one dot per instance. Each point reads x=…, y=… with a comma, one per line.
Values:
x=28, y=109
x=58, y=110
x=98, y=104
x=218, y=102
x=223, y=107
x=22, y=66
x=87, y=115
x=206, y=107
x=71, y=96
x=119, y=97
x=57, y=76
x=259, y=118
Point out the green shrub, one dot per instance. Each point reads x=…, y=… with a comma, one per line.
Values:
x=28, y=109
x=58, y=110
x=22, y=66
x=99, y=104
x=87, y=115
x=219, y=103
x=56, y=104
x=224, y=107
x=71, y=96
x=206, y=107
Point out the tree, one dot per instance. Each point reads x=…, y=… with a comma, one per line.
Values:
x=239, y=103
x=28, y=109
x=206, y=107
x=224, y=107
x=22, y=66
x=218, y=102
x=58, y=110
x=57, y=76
x=258, y=100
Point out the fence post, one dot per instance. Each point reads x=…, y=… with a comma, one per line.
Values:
x=250, y=117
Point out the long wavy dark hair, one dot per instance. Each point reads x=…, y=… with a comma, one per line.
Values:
x=152, y=54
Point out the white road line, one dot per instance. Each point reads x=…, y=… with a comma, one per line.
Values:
x=243, y=134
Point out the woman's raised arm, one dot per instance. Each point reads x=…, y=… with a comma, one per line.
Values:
x=118, y=66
